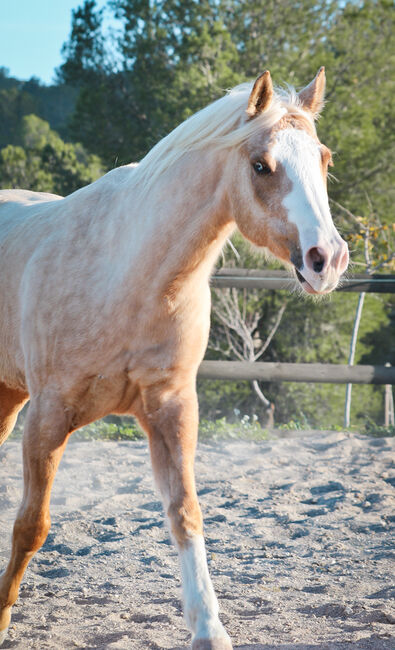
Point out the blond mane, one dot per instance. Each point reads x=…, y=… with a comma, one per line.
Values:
x=219, y=125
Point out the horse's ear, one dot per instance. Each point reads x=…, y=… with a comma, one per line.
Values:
x=312, y=97
x=261, y=94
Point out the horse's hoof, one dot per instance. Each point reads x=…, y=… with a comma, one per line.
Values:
x=214, y=644
x=3, y=635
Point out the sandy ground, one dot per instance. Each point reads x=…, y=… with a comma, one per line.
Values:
x=298, y=532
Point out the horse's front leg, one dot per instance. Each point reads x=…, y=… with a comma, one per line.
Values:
x=44, y=441
x=171, y=422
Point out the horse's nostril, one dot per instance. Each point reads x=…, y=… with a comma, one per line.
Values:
x=316, y=259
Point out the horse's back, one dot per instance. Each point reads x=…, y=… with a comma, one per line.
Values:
x=15, y=206
x=25, y=196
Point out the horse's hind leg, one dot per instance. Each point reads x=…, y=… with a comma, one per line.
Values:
x=45, y=437
x=171, y=423
x=11, y=402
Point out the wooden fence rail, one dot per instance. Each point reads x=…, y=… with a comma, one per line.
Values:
x=302, y=372
x=259, y=279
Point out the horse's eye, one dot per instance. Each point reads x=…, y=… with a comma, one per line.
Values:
x=262, y=168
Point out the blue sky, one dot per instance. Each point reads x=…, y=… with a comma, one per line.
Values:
x=32, y=33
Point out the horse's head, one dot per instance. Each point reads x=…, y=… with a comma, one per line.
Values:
x=282, y=200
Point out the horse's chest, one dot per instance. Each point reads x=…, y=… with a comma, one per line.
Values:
x=147, y=351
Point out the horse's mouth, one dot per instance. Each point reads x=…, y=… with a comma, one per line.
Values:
x=305, y=285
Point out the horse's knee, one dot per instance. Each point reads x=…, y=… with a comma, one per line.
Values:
x=31, y=532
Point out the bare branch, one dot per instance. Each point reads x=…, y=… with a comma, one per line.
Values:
x=261, y=396
x=348, y=213
x=272, y=331
x=239, y=323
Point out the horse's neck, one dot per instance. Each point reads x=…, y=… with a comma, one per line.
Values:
x=186, y=221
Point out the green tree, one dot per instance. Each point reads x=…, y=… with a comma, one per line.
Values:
x=44, y=162
x=18, y=98
x=172, y=58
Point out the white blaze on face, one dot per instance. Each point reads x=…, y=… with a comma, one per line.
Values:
x=307, y=204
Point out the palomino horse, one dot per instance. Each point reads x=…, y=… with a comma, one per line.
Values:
x=105, y=300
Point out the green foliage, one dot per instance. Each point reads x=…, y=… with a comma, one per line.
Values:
x=217, y=398
x=379, y=431
x=172, y=58
x=295, y=425
x=53, y=104
x=110, y=431
x=244, y=428
x=210, y=430
x=44, y=163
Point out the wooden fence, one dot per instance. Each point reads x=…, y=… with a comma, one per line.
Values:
x=329, y=373
x=257, y=279
x=299, y=372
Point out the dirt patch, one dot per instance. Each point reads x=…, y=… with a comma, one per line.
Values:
x=298, y=534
